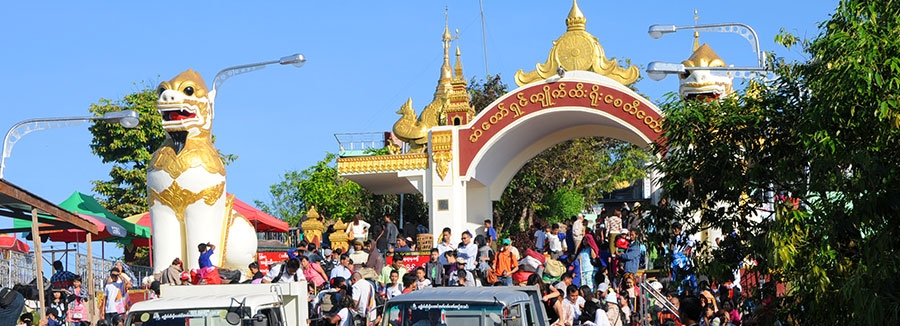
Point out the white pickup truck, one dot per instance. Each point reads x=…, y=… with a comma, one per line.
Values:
x=277, y=304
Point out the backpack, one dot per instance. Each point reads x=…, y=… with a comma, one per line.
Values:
x=327, y=265
x=280, y=273
x=7, y=297
x=379, y=300
x=330, y=302
x=554, y=268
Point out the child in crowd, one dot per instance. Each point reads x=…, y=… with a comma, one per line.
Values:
x=421, y=281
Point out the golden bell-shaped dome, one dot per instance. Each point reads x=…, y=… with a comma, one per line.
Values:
x=339, y=236
x=704, y=56
x=313, y=227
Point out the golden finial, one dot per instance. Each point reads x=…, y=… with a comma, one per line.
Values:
x=577, y=49
x=447, y=36
x=696, y=33
x=458, y=69
x=446, y=71
x=576, y=19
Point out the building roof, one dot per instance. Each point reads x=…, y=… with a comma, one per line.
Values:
x=18, y=203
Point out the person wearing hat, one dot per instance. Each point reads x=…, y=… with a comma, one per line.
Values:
x=454, y=280
x=358, y=254
x=613, y=312
x=505, y=263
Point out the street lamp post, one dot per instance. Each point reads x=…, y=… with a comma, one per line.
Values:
x=657, y=70
x=128, y=119
x=296, y=60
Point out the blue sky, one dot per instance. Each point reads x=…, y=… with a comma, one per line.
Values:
x=364, y=59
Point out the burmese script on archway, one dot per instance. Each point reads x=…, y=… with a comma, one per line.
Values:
x=628, y=108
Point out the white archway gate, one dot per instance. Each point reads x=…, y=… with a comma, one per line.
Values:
x=471, y=165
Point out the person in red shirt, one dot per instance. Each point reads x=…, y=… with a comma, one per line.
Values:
x=409, y=283
x=505, y=263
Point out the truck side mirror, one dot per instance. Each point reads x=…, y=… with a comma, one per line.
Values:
x=495, y=318
x=260, y=320
x=233, y=318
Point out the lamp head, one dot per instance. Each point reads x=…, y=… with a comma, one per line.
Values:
x=128, y=118
x=296, y=59
x=657, y=31
x=658, y=70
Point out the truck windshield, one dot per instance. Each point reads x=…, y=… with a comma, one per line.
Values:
x=179, y=317
x=439, y=313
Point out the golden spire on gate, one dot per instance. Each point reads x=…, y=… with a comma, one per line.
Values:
x=577, y=49
x=450, y=105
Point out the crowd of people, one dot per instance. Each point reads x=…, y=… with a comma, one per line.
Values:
x=587, y=274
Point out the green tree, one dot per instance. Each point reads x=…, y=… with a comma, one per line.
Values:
x=821, y=144
x=129, y=151
x=562, y=204
x=335, y=197
x=319, y=186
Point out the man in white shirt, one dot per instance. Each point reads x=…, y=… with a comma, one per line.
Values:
x=364, y=296
x=468, y=251
x=285, y=273
x=575, y=300
x=344, y=269
x=555, y=245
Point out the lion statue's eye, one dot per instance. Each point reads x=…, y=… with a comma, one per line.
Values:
x=161, y=90
x=189, y=91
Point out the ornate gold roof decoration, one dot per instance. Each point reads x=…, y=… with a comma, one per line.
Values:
x=577, y=49
x=442, y=146
x=313, y=226
x=339, y=237
x=414, y=130
x=382, y=163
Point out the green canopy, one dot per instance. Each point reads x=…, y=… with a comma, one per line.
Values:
x=83, y=204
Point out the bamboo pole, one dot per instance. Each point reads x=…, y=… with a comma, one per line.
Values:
x=91, y=303
x=39, y=262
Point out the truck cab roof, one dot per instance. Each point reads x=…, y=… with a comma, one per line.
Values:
x=202, y=301
x=485, y=295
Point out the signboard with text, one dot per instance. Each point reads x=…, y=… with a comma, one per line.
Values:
x=411, y=260
x=266, y=259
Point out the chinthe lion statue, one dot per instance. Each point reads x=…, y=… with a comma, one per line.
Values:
x=186, y=184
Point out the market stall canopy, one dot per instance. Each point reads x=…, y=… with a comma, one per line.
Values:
x=18, y=203
x=261, y=221
x=107, y=230
x=80, y=203
x=9, y=242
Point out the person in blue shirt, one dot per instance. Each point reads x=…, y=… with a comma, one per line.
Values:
x=490, y=232
x=206, y=250
x=540, y=237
